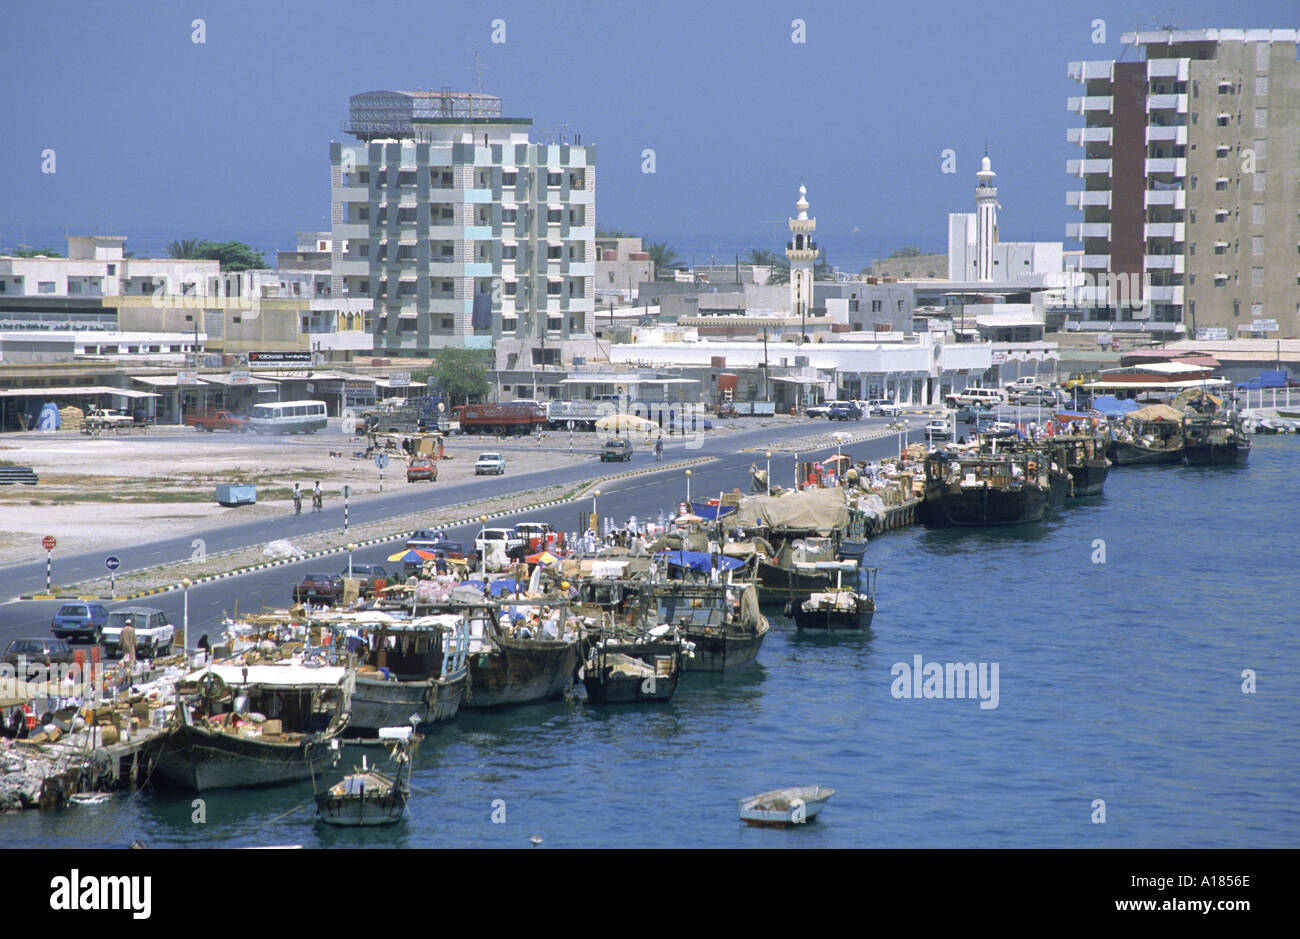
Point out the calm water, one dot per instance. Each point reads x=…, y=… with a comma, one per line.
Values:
x=1118, y=681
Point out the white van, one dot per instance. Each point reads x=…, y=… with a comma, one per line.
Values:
x=987, y=396
x=288, y=417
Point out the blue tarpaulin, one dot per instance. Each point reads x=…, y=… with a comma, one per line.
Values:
x=700, y=561
x=1110, y=406
x=711, y=512
x=506, y=585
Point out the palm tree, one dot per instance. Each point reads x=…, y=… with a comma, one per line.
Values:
x=186, y=248
x=664, y=257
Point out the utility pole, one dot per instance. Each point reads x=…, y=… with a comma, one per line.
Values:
x=766, y=390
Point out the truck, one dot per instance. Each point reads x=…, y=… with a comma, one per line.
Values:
x=499, y=419
x=752, y=408
x=406, y=416
x=217, y=420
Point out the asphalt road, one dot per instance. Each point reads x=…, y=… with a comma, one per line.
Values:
x=642, y=496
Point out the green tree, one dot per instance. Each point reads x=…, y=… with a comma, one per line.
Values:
x=184, y=249
x=781, y=267
x=233, y=255
x=460, y=373
x=613, y=233
x=663, y=256
x=23, y=251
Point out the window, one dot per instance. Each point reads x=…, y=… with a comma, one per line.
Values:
x=74, y=286
x=1261, y=87
x=1221, y=150
x=1261, y=117
x=875, y=306
x=554, y=216
x=512, y=288
x=1221, y=184
x=553, y=180
x=509, y=252
x=1260, y=147
x=553, y=252
x=1191, y=217
x=1261, y=57
x=47, y=286
x=509, y=179
x=509, y=215
x=553, y=288
x=1259, y=181
x=1223, y=120
x=1257, y=277
x=112, y=268
x=1257, y=214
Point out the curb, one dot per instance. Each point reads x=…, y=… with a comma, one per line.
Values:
x=370, y=542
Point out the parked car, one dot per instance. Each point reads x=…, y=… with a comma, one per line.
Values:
x=153, y=633
x=844, y=411
x=883, y=407
x=818, y=410
x=937, y=428
x=453, y=550
x=487, y=463
x=1024, y=383
x=421, y=468
x=319, y=588
x=972, y=412
x=1045, y=399
x=367, y=574
x=616, y=450
x=84, y=620
x=972, y=395
x=217, y=420
x=426, y=539
x=506, y=536
x=41, y=651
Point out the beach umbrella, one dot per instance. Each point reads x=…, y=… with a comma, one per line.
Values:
x=411, y=556
x=541, y=557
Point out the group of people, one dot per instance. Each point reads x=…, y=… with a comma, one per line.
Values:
x=316, y=498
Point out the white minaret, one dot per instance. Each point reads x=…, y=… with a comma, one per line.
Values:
x=986, y=220
x=802, y=253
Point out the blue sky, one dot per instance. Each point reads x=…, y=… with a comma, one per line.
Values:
x=157, y=137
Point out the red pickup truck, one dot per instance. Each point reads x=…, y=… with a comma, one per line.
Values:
x=217, y=420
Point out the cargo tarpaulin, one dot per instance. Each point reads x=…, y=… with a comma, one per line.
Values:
x=820, y=510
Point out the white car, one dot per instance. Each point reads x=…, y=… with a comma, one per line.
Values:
x=506, y=536
x=153, y=634
x=490, y=463
x=937, y=428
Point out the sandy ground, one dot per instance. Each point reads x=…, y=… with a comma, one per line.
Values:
x=133, y=489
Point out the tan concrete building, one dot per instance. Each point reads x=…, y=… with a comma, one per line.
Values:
x=1190, y=180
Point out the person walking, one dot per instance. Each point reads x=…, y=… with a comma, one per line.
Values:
x=297, y=499
x=316, y=498
x=659, y=449
x=126, y=645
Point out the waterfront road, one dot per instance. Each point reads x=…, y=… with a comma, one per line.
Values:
x=644, y=496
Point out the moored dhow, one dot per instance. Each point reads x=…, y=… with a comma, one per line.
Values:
x=843, y=608
x=1215, y=441
x=240, y=726
x=1149, y=436
x=517, y=654
x=406, y=670
x=969, y=489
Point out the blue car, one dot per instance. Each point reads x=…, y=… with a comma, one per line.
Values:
x=84, y=620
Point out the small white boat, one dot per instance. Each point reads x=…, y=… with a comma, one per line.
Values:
x=90, y=798
x=779, y=808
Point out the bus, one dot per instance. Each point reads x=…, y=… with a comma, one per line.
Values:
x=288, y=417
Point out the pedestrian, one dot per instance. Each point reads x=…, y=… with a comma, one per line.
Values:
x=659, y=449
x=126, y=645
x=297, y=499
x=316, y=498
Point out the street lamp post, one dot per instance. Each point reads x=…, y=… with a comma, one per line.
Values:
x=768, y=477
x=351, y=548
x=688, y=490
x=185, y=618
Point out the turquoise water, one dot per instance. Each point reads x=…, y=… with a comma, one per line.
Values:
x=1119, y=681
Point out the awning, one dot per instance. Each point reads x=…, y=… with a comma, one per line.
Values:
x=228, y=380
x=800, y=381
x=80, y=391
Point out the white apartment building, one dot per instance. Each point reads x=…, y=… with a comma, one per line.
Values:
x=461, y=230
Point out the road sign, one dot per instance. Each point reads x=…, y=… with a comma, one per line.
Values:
x=381, y=460
x=112, y=563
x=48, y=542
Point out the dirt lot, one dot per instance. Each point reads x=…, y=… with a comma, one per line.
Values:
x=136, y=488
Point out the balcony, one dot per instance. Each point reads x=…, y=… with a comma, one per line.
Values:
x=1090, y=71
x=1087, y=135
x=1172, y=295
x=1167, y=103
x=1175, y=165
x=1165, y=262
x=1077, y=200
x=1090, y=103
x=1086, y=262
x=1174, y=198
x=1168, y=68
x=1087, y=167
x=1172, y=230
x=1173, y=133
x=1080, y=230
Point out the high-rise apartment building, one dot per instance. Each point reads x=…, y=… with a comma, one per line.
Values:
x=461, y=229
x=1191, y=182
